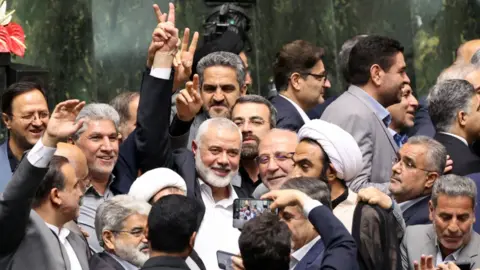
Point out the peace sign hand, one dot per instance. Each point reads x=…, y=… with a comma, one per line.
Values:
x=165, y=35
x=189, y=101
x=183, y=61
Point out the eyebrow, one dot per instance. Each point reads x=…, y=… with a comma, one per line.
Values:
x=409, y=159
x=256, y=118
x=303, y=160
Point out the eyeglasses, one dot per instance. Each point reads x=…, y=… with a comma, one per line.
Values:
x=32, y=116
x=407, y=165
x=278, y=156
x=318, y=77
x=137, y=232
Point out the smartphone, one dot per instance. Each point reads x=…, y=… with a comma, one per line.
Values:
x=463, y=266
x=225, y=260
x=246, y=209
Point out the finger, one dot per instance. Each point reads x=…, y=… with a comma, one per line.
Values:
x=416, y=266
x=158, y=13
x=78, y=125
x=161, y=32
x=171, y=13
x=185, y=40
x=175, y=62
x=189, y=86
x=196, y=82
x=429, y=262
x=197, y=97
x=193, y=46
x=65, y=104
x=181, y=100
x=187, y=96
x=423, y=262
x=79, y=107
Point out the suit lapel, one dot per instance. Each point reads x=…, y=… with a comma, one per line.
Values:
x=355, y=92
x=430, y=247
x=80, y=248
x=470, y=251
x=311, y=256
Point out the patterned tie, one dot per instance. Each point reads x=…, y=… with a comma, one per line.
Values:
x=400, y=139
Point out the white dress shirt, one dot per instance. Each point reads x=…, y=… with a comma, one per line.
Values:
x=345, y=210
x=456, y=136
x=126, y=265
x=300, y=110
x=161, y=73
x=62, y=235
x=216, y=231
x=40, y=155
x=298, y=255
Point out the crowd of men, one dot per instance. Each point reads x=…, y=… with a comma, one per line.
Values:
x=376, y=178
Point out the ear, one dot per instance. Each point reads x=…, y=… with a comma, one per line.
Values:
x=194, y=147
x=431, y=178
x=191, y=242
x=108, y=240
x=376, y=74
x=331, y=173
x=54, y=197
x=120, y=138
x=431, y=210
x=7, y=120
x=462, y=118
x=295, y=81
x=243, y=90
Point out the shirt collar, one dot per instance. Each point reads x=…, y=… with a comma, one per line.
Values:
x=126, y=265
x=407, y=204
x=301, y=252
x=377, y=108
x=91, y=189
x=452, y=257
x=300, y=110
x=455, y=136
x=225, y=202
x=62, y=233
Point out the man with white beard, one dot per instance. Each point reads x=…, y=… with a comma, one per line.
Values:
x=121, y=225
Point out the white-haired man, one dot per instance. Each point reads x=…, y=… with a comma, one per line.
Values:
x=121, y=229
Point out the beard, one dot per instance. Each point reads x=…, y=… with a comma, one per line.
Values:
x=209, y=177
x=132, y=254
x=250, y=150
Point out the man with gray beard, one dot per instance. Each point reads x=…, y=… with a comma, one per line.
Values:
x=255, y=116
x=121, y=224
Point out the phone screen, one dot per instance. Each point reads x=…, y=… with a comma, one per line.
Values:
x=246, y=209
x=463, y=266
x=224, y=260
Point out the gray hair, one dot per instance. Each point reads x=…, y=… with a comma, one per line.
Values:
x=453, y=186
x=259, y=100
x=218, y=123
x=344, y=54
x=121, y=103
x=96, y=111
x=475, y=58
x=436, y=153
x=446, y=99
x=112, y=213
x=456, y=72
x=225, y=59
x=313, y=187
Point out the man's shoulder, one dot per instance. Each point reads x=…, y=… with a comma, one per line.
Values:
x=418, y=230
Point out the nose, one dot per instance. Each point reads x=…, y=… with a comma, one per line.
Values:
x=327, y=83
x=406, y=79
x=413, y=102
x=223, y=159
x=107, y=145
x=272, y=165
x=246, y=127
x=36, y=120
x=453, y=227
x=396, y=167
x=218, y=96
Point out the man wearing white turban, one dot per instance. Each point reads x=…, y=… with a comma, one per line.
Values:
x=328, y=152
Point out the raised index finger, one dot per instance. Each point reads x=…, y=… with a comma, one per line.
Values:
x=185, y=40
x=171, y=13
x=193, y=46
x=196, y=82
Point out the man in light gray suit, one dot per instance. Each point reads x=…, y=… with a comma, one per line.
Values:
x=376, y=72
x=451, y=237
x=40, y=199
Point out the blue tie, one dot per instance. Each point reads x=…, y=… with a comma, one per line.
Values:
x=400, y=140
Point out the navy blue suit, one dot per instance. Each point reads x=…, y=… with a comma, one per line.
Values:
x=465, y=161
x=476, y=178
x=287, y=115
x=423, y=123
x=6, y=171
x=313, y=258
x=340, y=249
x=418, y=213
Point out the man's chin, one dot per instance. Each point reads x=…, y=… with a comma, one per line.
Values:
x=214, y=113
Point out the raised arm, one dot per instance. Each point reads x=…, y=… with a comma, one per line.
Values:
x=15, y=204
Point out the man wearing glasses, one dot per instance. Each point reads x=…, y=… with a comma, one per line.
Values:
x=25, y=114
x=301, y=79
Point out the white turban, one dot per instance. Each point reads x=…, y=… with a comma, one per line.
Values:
x=340, y=147
x=151, y=182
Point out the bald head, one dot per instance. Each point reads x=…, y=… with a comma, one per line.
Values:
x=75, y=157
x=466, y=51
x=468, y=72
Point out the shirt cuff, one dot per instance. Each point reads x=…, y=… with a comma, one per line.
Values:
x=161, y=73
x=308, y=206
x=40, y=155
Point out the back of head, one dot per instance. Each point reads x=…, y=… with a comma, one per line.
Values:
x=315, y=188
x=453, y=185
x=344, y=54
x=75, y=156
x=171, y=224
x=369, y=51
x=96, y=111
x=456, y=72
x=121, y=104
x=446, y=99
x=265, y=243
x=476, y=58
x=299, y=56
x=54, y=178
x=465, y=51
x=18, y=89
x=224, y=59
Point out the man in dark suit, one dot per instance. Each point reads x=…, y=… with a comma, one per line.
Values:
x=454, y=108
x=301, y=79
x=476, y=179
x=40, y=199
x=421, y=161
x=172, y=229
x=25, y=115
x=121, y=225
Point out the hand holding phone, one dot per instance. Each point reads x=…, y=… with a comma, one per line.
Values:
x=225, y=260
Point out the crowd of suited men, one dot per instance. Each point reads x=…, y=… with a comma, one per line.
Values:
x=376, y=178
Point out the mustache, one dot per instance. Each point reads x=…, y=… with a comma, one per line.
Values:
x=142, y=246
x=218, y=103
x=249, y=136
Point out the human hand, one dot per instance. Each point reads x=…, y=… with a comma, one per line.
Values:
x=374, y=196
x=286, y=197
x=448, y=165
x=183, y=61
x=164, y=37
x=189, y=101
x=62, y=122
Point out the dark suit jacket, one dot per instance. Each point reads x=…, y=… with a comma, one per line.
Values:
x=287, y=115
x=142, y=150
x=476, y=178
x=340, y=249
x=423, y=122
x=313, y=258
x=165, y=263
x=103, y=261
x=26, y=242
x=464, y=160
x=317, y=111
x=418, y=213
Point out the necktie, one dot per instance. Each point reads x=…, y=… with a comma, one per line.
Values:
x=400, y=140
